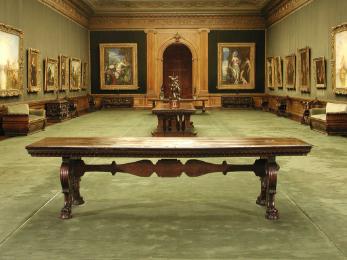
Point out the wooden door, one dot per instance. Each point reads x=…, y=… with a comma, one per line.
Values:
x=177, y=60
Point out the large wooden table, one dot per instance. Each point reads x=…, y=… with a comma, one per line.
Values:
x=168, y=149
x=174, y=121
x=198, y=100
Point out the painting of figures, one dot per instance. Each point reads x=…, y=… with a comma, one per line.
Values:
x=34, y=70
x=51, y=75
x=304, y=70
x=118, y=66
x=236, y=66
x=278, y=72
x=290, y=63
x=339, y=59
x=319, y=64
x=63, y=72
x=11, y=61
x=75, y=74
x=84, y=75
x=269, y=73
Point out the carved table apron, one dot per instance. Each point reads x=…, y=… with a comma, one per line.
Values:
x=169, y=149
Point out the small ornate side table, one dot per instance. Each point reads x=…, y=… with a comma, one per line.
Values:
x=57, y=110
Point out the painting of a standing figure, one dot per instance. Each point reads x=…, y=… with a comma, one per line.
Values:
x=319, y=72
x=51, y=75
x=304, y=70
x=75, y=74
x=34, y=70
x=290, y=62
x=64, y=72
x=236, y=65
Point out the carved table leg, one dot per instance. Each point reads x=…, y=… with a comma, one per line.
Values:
x=77, y=173
x=271, y=172
x=71, y=171
x=261, y=199
x=65, y=179
x=260, y=171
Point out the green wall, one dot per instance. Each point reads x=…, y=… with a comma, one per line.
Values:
x=309, y=26
x=49, y=32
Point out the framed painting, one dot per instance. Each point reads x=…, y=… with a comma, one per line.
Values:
x=290, y=64
x=51, y=75
x=34, y=70
x=118, y=66
x=277, y=68
x=63, y=72
x=75, y=74
x=11, y=61
x=304, y=70
x=269, y=73
x=339, y=59
x=319, y=72
x=84, y=75
x=236, y=65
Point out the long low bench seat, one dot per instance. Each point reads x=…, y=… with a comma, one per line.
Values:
x=21, y=120
x=169, y=149
x=331, y=120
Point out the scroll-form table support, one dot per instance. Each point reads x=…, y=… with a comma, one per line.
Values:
x=72, y=169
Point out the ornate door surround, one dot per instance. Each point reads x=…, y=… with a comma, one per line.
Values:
x=157, y=42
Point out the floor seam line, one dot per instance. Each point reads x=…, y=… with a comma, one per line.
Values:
x=12, y=233
x=315, y=225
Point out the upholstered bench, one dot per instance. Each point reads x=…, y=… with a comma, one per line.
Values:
x=20, y=120
x=331, y=120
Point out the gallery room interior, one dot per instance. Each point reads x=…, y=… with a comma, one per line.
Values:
x=109, y=108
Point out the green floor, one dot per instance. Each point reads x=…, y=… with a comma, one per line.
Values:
x=210, y=217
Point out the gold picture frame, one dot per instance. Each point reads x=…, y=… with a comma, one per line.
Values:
x=34, y=71
x=84, y=75
x=118, y=66
x=269, y=73
x=290, y=65
x=75, y=74
x=304, y=70
x=64, y=74
x=277, y=72
x=236, y=66
x=11, y=61
x=338, y=60
x=51, y=75
x=319, y=72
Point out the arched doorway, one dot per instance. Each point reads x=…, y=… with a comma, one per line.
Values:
x=177, y=60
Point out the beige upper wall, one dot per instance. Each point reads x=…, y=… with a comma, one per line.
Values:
x=309, y=26
x=49, y=32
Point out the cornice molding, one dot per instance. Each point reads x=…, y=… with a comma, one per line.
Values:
x=67, y=8
x=177, y=22
x=82, y=14
x=138, y=7
x=277, y=10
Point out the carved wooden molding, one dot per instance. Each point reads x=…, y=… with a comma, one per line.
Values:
x=67, y=8
x=82, y=14
x=282, y=9
x=177, y=22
